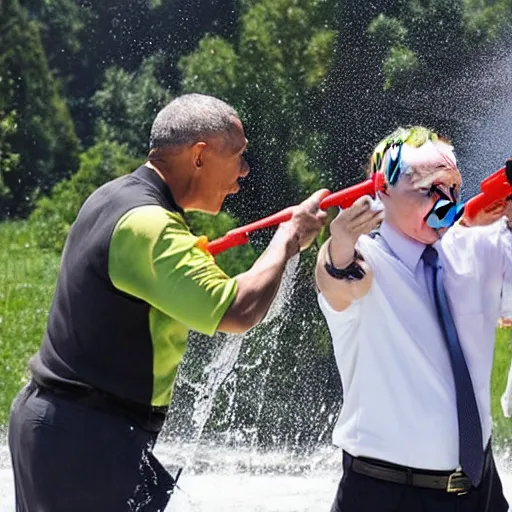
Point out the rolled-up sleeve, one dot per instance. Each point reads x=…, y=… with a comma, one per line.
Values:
x=154, y=257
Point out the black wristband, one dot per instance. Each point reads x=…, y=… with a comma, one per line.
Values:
x=353, y=272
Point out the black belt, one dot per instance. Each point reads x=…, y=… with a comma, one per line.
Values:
x=454, y=482
x=147, y=417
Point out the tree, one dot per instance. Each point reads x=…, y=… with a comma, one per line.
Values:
x=394, y=64
x=61, y=24
x=45, y=138
x=126, y=105
x=55, y=213
x=8, y=160
x=273, y=74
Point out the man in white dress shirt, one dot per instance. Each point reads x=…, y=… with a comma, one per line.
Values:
x=412, y=308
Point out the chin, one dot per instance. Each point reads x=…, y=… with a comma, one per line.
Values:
x=432, y=235
x=425, y=234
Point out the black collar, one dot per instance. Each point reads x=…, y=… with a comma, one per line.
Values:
x=150, y=176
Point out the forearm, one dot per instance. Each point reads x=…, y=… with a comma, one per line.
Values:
x=340, y=293
x=258, y=286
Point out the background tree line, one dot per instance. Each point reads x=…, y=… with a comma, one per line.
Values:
x=316, y=82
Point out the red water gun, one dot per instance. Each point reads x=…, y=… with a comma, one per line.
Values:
x=344, y=198
x=494, y=189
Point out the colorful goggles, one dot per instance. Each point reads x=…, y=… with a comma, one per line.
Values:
x=444, y=214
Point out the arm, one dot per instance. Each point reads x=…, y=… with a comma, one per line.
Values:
x=153, y=256
x=340, y=251
x=258, y=286
x=491, y=238
x=490, y=214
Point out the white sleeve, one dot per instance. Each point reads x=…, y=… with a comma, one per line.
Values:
x=492, y=246
x=342, y=324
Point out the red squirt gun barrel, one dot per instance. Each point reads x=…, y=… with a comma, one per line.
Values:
x=497, y=187
x=344, y=198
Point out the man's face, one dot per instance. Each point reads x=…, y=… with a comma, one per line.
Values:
x=223, y=163
x=432, y=175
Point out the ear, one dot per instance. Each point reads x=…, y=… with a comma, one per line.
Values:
x=197, y=154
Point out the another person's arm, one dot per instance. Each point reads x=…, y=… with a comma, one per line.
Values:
x=339, y=250
x=490, y=237
x=491, y=214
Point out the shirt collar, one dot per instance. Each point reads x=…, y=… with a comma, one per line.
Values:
x=407, y=250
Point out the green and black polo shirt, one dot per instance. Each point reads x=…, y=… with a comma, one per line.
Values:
x=132, y=283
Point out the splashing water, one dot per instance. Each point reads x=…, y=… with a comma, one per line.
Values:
x=225, y=357
x=227, y=480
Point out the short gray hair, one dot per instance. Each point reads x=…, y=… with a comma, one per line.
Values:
x=190, y=118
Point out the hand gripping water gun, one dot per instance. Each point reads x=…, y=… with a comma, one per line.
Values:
x=497, y=187
x=343, y=198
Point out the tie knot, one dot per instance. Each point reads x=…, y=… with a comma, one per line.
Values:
x=430, y=256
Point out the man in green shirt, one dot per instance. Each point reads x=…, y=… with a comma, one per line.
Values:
x=133, y=281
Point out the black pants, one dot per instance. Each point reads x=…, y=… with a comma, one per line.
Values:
x=361, y=493
x=68, y=457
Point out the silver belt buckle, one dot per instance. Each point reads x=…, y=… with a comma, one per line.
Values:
x=455, y=485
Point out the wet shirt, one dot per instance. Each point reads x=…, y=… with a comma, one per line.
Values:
x=399, y=396
x=133, y=281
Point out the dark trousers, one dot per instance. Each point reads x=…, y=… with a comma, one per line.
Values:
x=69, y=457
x=361, y=493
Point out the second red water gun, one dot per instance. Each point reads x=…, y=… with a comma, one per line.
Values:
x=343, y=198
x=494, y=189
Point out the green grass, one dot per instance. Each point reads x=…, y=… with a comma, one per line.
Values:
x=502, y=359
x=27, y=279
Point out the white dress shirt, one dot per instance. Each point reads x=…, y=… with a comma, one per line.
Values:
x=399, y=396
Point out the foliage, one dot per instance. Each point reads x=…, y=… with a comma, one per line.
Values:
x=45, y=140
x=273, y=75
x=235, y=260
x=61, y=23
x=126, y=105
x=8, y=159
x=387, y=32
x=55, y=213
x=214, y=66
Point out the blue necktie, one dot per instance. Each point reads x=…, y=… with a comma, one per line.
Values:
x=471, y=453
